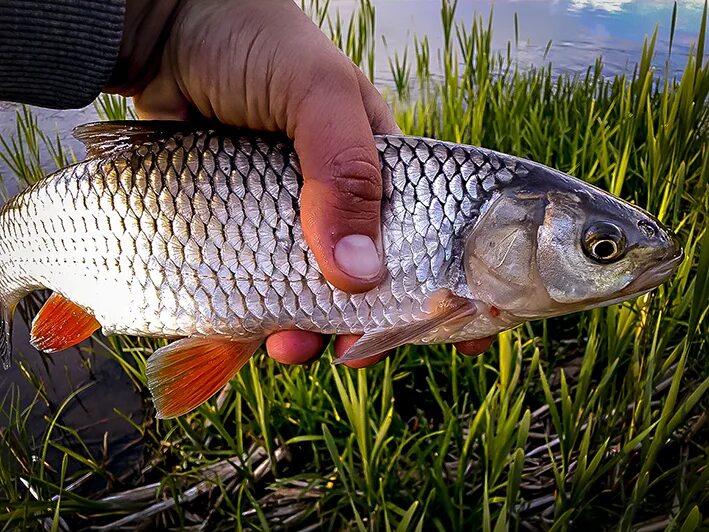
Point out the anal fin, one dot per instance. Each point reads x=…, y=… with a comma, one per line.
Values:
x=184, y=374
x=60, y=324
x=447, y=310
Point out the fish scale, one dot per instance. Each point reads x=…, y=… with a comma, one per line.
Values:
x=199, y=233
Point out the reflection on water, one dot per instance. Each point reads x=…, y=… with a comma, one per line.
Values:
x=617, y=6
x=579, y=31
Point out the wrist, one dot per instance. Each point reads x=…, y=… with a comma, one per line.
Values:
x=146, y=27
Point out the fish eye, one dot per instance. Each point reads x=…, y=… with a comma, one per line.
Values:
x=604, y=242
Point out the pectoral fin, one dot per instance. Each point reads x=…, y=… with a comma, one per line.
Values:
x=60, y=324
x=184, y=374
x=446, y=310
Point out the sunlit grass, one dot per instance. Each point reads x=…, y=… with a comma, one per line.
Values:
x=596, y=420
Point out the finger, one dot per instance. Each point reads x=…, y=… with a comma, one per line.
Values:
x=162, y=99
x=344, y=342
x=341, y=196
x=381, y=119
x=474, y=347
x=295, y=347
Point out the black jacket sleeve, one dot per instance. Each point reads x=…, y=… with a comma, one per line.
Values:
x=58, y=54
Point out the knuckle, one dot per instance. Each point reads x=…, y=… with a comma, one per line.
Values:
x=333, y=73
x=355, y=178
x=354, y=212
x=378, y=118
x=321, y=74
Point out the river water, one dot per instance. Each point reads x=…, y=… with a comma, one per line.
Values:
x=579, y=31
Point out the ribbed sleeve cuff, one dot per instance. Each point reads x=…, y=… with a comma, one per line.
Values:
x=58, y=54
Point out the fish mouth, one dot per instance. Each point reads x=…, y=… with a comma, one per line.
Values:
x=655, y=276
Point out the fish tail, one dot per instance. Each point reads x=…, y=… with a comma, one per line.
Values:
x=6, y=313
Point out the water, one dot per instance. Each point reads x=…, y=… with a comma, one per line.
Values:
x=579, y=31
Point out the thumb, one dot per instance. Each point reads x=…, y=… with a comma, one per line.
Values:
x=342, y=190
x=162, y=99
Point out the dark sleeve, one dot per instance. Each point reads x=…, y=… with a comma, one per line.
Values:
x=58, y=54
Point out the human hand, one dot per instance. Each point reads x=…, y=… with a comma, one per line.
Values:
x=263, y=64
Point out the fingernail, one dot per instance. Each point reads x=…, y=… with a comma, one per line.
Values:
x=357, y=256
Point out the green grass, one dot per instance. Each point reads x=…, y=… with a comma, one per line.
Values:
x=596, y=420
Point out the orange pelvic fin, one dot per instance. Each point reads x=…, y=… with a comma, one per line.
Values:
x=184, y=374
x=445, y=310
x=60, y=324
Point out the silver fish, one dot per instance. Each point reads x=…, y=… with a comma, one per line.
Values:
x=194, y=234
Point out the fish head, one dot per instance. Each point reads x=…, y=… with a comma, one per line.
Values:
x=552, y=244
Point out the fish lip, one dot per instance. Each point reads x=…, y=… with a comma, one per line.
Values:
x=655, y=276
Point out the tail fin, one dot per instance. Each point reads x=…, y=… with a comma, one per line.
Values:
x=6, y=313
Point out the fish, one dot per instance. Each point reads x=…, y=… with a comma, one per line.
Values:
x=192, y=233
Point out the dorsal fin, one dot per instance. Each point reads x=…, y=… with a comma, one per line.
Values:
x=103, y=139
